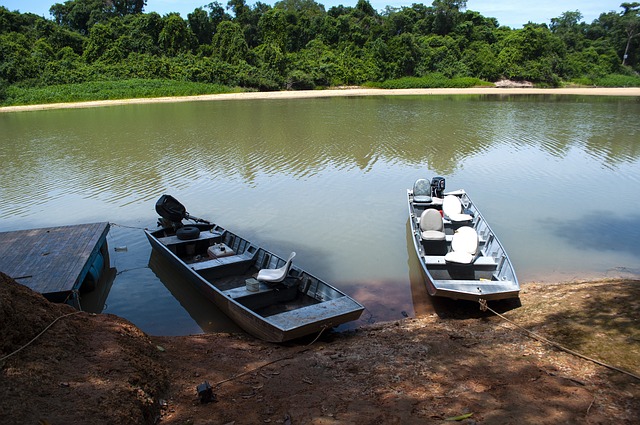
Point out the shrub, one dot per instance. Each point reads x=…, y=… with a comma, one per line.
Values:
x=431, y=81
x=617, y=80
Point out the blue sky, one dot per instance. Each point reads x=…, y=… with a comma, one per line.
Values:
x=513, y=13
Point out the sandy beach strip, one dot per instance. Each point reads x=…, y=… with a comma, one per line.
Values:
x=306, y=94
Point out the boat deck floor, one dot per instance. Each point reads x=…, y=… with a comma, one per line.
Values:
x=234, y=287
x=300, y=301
x=235, y=281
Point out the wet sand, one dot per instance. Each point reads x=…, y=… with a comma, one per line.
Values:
x=305, y=94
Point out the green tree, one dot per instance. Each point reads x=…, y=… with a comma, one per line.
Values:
x=403, y=55
x=472, y=26
x=100, y=38
x=480, y=60
x=217, y=14
x=201, y=25
x=79, y=15
x=440, y=54
x=314, y=65
x=631, y=25
x=176, y=37
x=570, y=29
x=273, y=28
x=127, y=7
x=532, y=53
x=17, y=64
x=240, y=11
x=447, y=15
x=229, y=43
x=145, y=29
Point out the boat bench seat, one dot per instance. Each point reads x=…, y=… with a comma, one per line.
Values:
x=242, y=291
x=485, y=261
x=438, y=260
x=222, y=261
x=173, y=240
x=312, y=313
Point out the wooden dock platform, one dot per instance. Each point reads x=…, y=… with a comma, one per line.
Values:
x=53, y=261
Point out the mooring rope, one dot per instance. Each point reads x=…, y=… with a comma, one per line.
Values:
x=485, y=307
x=38, y=336
x=127, y=227
x=288, y=356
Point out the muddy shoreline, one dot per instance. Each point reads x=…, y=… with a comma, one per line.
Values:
x=102, y=369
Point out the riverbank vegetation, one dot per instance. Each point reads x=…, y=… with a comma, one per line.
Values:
x=98, y=49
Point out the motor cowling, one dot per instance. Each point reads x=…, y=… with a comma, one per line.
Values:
x=170, y=209
x=437, y=187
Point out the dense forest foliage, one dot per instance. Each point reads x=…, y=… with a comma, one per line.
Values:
x=297, y=44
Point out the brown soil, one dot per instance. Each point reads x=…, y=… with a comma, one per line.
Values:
x=473, y=365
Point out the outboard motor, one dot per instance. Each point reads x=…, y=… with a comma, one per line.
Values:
x=173, y=212
x=437, y=187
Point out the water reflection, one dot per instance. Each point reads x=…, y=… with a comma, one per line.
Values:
x=208, y=317
x=119, y=154
x=328, y=177
x=95, y=300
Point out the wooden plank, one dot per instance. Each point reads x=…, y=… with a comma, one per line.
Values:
x=54, y=259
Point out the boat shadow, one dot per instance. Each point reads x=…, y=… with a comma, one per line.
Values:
x=204, y=313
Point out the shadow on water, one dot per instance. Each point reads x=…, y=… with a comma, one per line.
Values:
x=208, y=317
x=445, y=308
x=94, y=301
x=599, y=230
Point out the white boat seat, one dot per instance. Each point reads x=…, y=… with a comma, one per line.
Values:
x=452, y=208
x=276, y=275
x=464, y=246
x=432, y=225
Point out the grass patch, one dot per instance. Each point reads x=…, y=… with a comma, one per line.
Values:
x=613, y=80
x=108, y=90
x=616, y=80
x=431, y=81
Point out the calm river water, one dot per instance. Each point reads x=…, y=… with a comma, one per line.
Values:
x=556, y=177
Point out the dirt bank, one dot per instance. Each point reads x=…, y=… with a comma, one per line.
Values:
x=102, y=369
x=351, y=91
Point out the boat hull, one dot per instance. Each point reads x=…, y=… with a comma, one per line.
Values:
x=491, y=276
x=304, y=306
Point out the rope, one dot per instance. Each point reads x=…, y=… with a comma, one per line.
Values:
x=289, y=356
x=75, y=294
x=131, y=270
x=38, y=336
x=485, y=307
x=127, y=227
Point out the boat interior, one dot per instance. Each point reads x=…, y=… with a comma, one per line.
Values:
x=455, y=242
x=233, y=265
